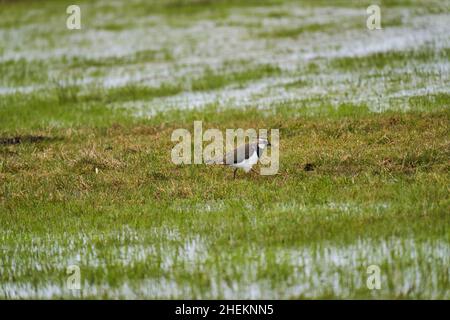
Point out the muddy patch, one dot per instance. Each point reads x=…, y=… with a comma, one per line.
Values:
x=8, y=141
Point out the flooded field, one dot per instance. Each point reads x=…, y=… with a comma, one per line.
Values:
x=366, y=110
x=251, y=272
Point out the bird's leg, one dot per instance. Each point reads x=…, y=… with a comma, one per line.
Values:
x=234, y=175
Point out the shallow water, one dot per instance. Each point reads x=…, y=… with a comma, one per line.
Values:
x=166, y=262
x=213, y=43
x=408, y=268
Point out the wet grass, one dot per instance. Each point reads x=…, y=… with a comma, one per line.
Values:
x=297, y=31
x=221, y=78
x=391, y=59
x=374, y=177
x=86, y=180
x=143, y=56
x=22, y=72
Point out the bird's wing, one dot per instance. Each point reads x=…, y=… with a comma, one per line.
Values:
x=240, y=153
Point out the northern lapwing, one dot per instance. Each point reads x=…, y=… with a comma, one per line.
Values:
x=244, y=157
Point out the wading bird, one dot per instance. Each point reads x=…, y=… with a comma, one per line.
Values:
x=244, y=157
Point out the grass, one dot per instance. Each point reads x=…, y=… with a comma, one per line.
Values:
x=398, y=59
x=86, y=178
x=384, y=177
x=295, y=32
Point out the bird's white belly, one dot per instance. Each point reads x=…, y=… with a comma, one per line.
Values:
x=247, y=164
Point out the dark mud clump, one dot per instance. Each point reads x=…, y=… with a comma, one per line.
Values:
x=8, y=141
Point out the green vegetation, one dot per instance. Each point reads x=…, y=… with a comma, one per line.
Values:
x=376, y=179
x=86, y=177
x=398, y=59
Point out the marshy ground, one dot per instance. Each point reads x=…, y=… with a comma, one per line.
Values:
x=86, y=178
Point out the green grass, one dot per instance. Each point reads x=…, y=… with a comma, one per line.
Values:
x=214, y=80
x=295, y=32
x=398, y=59
x=86, y=176
x=376, y=178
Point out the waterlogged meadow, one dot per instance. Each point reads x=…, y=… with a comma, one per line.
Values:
x=86, y=177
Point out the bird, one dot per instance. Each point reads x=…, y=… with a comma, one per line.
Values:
x=244, y=157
